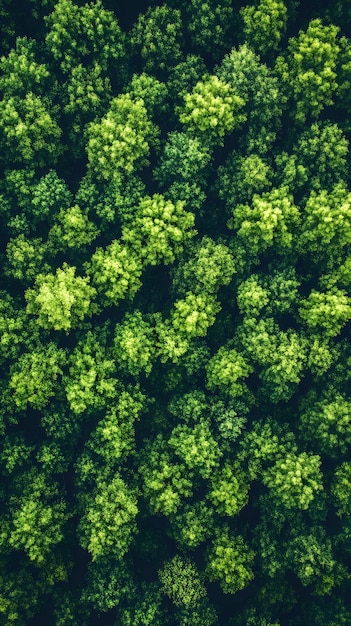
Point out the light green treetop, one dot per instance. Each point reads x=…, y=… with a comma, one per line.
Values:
x=194, y=314
x=135, y=344
x=37, y=517
x=229, y=489
x=159, y=230
x=33, y=377
x=230, y=561
x=121, y=139
x=282, y=355
x=226, y=370
x=211, y=110
x=181, y=581
x=115, y=273
x=165, y=481
x=21, y=72
x=272, y=219
x=107, y=524
x=309, y=70
x=326, y=312
x=28, y=131
x=197, y=447
x=295, y=480
x=78, y=33
x=72, y=229
x=114, y=437
x=325, y=422
x=153, y=92
x=91, y=382
x=326, y=227
x=60, y=300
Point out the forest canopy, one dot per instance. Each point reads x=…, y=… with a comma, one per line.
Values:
x=175, y=313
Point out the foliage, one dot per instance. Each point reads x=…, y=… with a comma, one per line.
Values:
x=193, y=315
x=86, y=96
x=230, y=561
x=264, y=24
x=159, y=230
x=21, y=72
x=225, y=370
x=295, y=480
x=229, y=491
x=326, y=422
x=165, y=482
x=28, y=132
x=77, y=34
x=91, y=375
x=328, y=312
x=120, y=139
x=183, y=158
x=341, y=488
x=32, y=379
x=25, y=258
x=72, y=230
x=196, y=447
x=115, y=272
x=37, y=517
x=311, y=557
x=211, y=110
x=211, y=267
x=114, y=437
x=181, y=582
x=152, y=91
x=270, y=220
x=146, y=609
x=184, y=76
x=120, y=587
x=208, y=24
x=242, y=177
x=60, y=300
x=134, y=344
x=157, y=36
x=255, y=83
x=322, y=154
x=193, y=524
x=107, y=524
x=109, y=203
x=175, y=275
x=309, y=70
x=327, y=220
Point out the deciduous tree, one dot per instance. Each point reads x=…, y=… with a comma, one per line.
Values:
x=60, y=300
x=309, y=70
x=230, y=561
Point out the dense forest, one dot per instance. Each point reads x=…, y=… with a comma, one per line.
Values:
x=175, y=309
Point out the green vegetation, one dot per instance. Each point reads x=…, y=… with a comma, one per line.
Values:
x=175, y=313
